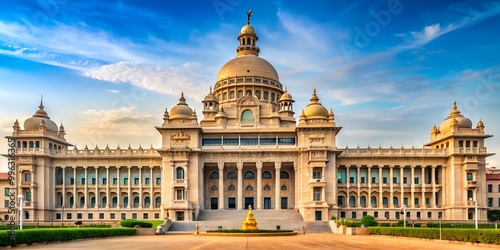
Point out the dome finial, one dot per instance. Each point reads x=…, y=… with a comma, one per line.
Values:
x=314, y=97
x=454, y=111
x=182, y=100
x=249, y=14
x=210, y=89
x=41, y=102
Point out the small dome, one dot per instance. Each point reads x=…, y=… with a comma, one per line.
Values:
x=457, y=118
x=286, y=96
x=247, y=30
x=181, y=110
x=40, y=117
x=210, y=97
x=315, y=109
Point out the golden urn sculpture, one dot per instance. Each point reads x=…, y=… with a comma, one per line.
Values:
x=249, y=223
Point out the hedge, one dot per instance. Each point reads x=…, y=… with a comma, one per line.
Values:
x=7, y=227
x=29, y=236
x=485, y=236
x=133, y=223
x=458, y=225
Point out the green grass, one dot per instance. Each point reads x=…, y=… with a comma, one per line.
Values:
x=155, y=223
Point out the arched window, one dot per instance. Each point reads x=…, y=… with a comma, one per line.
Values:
x=240, y=93
x=284, y=175
x=147, y=200
x=114, y=200
x=214, y=175
x=362, y=201
x=92, y=201
x=180, y=173
x=82, y=201
x=71, y=201
x=249, y=175
x=373, y=201
x=352, y=201
x=341, y=200
x=385, y=201
x=248, y=92
x=231, y=175
x=247, y=116
x=249, y=188
x=158, y=201
x=231, y=188
x=266, y=175
x=266, y=95
x=104, y=200
x=214, y=188
x=6, y=218
x=231, y=94
x=395, y=201
x=284, y=187
x=267, y=188
x=136, y=201
x=257, y=93
x=125, y=201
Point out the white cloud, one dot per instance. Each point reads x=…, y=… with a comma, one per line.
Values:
x=114, y=91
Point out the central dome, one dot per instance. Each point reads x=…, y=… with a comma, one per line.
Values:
x=248, y=65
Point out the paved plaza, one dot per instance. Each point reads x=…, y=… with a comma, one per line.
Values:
x=308, y=241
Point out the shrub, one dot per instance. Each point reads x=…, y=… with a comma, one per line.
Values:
x=29, y=236
x=333, y=217
x=369, y=221
x=134, y=223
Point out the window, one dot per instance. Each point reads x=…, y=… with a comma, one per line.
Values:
x=93, y=181
x=7, y=192
x=286, y=141
x=79, y=216
x=365, y=214
x=416, y=181
x=384, y=180
x=283, y=187
x=397, y=215
x=267, y=175
x=249, y=175
x=395, y=180
x=179, y=215
x=490, y=188
x=267, y=188
x=214, y=175
x=460, y=143
x=341, y=200
x=429, y=215
x=362, y=179
x=231, y=188
x=101, y=216
x=249, y=188
x=316, y=173
x=125, y=181
x=180, y=173
x=362, y=201
x=317, y=194
x=418, y=215
x=374, y=179
x=134, y=216
x=249, y=141
x=373, y=201
x=247, y=116
x=68, y=216
x=352, y=201
x=351, y=179
x=267, y=141
x=231, y=175
x=469, y=195
x=427, y=201
x=71, y=181
x=104, y=181
x=112, y=216
x=416, y=201
x=354, y=215
x=211, y=142
x=90, y=216
x=27, y=177
x=157, y=215
x=158, y=181
x=83, y=181
x=284, y=175
x=58, y=216
x=145, y=215
x=231, y=141
x=405, y=201
x=123, y=216
x=375, y=214
x=179, y=194
x=146, y=180
x=386, y=215
x=499, y=188
x=490, y=202
x=385, y=201
x=136, y=181
x=125, y=201
x=469, y=177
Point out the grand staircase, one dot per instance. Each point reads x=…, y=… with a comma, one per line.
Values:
x=266, y=219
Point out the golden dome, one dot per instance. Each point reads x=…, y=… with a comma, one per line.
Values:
x=315, y=109
x=181, y=110
x=210, y=97
x=40, y=117
x=248, y=65
x=247, y=30
x=286, y=96
x=455, y=118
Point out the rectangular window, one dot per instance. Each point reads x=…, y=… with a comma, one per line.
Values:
x=286, y=141
x=316, y=195
x=211, y=142
x=460, y=143
x=134, y=216
x=68, y=216
x=58, y=216
x=71, y=181
x=416, y=201
x=267, y=141
x=101, y=216
x=136, y=181
x=405, y=201
x=490, y=202
x=316, y=174
x=429, y=215
x=427, y=201
x=125, y=181
x=157, y=215
x=123, y=216
x=79, y=216
x=158, y=181
x=467, y=144
x=83, y=181
x=112, y=216
x=362, y=179
x=179, y=194
x=469, y=178
x=146, y=180
x=405, y=180
x=375, y=214
x=179, y=215
x=416, y=181
x=395, y=180
x=499, y=188
x=115, y=181
x=7, y=192
x=93, y=181
x=499, y=202
x=418, y=215
x=490, y=188
x=374, y=179
x=384, y=180
x=354, y=215
x=90, y=216
x=230, y=141
x=351, y=179
x=386, y=215
x=474, y=144
x=342, y=215
x=104, y=181
x=6, y=203
x=249, y=141
x=365, y=214
x=145, y=215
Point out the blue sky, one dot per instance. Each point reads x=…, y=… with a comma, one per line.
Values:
x=390, y=70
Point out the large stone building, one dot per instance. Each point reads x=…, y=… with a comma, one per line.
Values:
x=249, y=149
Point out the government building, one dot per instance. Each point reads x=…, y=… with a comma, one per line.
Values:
x=251, y=146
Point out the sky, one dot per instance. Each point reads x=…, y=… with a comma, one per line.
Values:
x=390, y=70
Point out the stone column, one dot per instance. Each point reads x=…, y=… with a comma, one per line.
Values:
x=259, y=184
x=221, y=186
x=118, y=187
x=391, y=186
x=412, y=194
x=129, y=190
x=422, y=201
x=86, y=187
x=151, y=194
x=433, y=181
x=64, y=187
x=240, y=185
x=369, y=177
x=277, y=188
x=97, y=198
x=108, y=199
x=402, y=195
x=380, y=183
x=75, y=194
x=140, y=187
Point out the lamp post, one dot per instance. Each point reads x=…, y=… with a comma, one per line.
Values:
x=21, y=197
x=404, y=215
x=476, y=211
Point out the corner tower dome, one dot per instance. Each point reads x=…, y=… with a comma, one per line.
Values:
x=315, y=109
x=40, y=117
x=248, y=71
x=455, y=117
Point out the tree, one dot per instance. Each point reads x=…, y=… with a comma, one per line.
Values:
x=493, y=215
x=369, y=221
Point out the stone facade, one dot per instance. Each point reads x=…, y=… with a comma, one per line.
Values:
x=248, y=149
